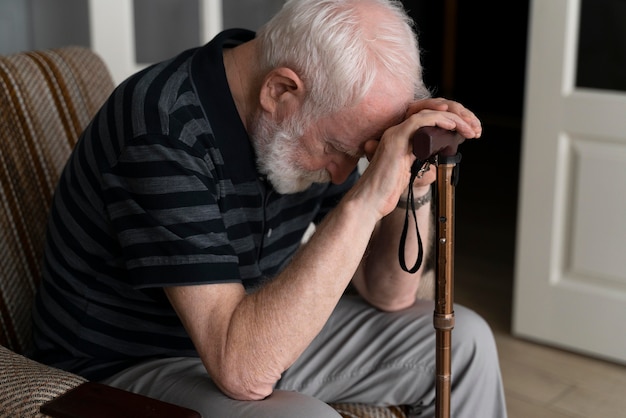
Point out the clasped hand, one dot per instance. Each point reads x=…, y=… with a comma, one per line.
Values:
x=391, y=157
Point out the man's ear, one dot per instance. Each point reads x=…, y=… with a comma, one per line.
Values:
x=282, y=92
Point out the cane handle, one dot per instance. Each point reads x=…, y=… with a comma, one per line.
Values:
x=429, y=141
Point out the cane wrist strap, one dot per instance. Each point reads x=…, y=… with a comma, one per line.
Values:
x=416, y=169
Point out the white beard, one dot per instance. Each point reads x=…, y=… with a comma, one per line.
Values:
x=277, y=150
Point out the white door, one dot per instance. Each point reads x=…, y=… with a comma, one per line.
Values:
x=570, y=275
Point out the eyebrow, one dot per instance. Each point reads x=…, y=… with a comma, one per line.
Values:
x=358, y=153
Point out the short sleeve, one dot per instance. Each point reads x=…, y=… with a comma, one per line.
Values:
x=162, y=199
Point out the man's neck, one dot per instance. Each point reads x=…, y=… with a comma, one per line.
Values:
x=240, y=64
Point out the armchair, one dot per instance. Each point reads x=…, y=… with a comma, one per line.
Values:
x=46, y=99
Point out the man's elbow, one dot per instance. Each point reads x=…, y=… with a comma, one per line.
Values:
x=245, y=393
x=244, y=386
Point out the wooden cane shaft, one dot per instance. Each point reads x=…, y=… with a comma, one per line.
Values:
x=443, y=319
x=444, y=376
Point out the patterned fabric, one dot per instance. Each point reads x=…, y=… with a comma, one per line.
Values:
x=359, y=410
x=25, y=385
x=47, y=98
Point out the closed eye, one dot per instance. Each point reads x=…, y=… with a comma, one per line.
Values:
x=337, y=148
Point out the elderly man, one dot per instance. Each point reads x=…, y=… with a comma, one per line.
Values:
x=174, y=265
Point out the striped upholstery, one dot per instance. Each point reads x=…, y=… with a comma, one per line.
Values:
x=46, y=99
x=25, y=384
x=358, y=410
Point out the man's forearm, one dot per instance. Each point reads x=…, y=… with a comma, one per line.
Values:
x=279, y=321
x=380, y=278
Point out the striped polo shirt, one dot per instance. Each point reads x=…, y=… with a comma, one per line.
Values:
x=161, y=190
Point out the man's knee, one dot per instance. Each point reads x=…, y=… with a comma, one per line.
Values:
x=280, y=404
x=470, y=325
x=287, y=404
x=476, y=380
x=473, y=341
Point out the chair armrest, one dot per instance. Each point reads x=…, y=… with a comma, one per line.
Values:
x=26, y=386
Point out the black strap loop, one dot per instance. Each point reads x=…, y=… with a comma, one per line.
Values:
x=415, y=169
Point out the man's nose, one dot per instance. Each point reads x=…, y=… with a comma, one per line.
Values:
x=340, y=169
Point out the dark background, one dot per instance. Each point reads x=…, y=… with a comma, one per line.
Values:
x=475, y=52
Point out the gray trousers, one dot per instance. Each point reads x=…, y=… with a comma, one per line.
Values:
x=362, y=355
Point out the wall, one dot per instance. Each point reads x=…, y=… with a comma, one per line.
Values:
x=41, y=24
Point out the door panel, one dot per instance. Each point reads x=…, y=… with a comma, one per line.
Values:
x=570, y=274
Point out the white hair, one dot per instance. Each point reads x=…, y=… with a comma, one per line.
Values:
x=340, y=47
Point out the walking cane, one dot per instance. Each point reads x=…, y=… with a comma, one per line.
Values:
x=433, y=145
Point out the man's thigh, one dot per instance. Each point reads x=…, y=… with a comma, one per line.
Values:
x=361, y=355
x=365, y=355
x=369, y=356
x=184, y=381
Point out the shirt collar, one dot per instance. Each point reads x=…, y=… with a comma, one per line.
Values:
x=209, y=79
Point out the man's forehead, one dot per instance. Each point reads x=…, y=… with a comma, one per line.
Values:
x=366, y=121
